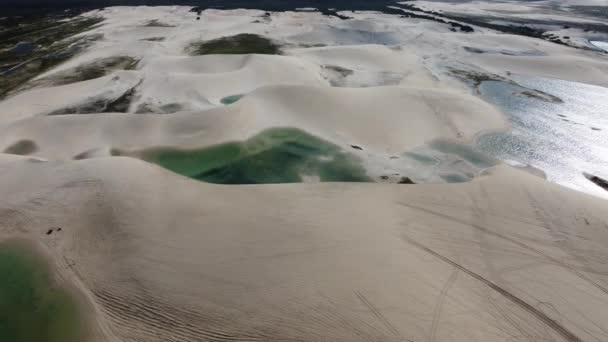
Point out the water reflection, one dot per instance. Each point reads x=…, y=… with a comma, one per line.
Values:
x=562, y=139
x=601, y=45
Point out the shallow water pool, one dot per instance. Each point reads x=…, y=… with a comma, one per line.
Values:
x=231, y=99
x=278, y=155
x=32, y=307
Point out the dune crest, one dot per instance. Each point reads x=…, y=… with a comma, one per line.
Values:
x=158, y=256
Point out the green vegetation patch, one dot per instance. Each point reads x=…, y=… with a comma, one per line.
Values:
x=120, y=104
x=22, y=147
x=475, y=77
x=278, y=155
x=32, y=308
x=239, y=44
x=154, y=39
x=157, y=23
x=85, y=72
x=37, y=47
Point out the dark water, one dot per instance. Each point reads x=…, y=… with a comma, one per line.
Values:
x=271, y=5
x=226, y=3
x=32, y=307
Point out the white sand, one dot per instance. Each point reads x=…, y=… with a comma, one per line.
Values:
x=46, y=100
x=341, y=115
x=159, y=257
x=164, y=258
x=201, y=81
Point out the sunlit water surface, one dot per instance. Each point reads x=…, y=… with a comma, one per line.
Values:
x=562, y=139
x=601, y=45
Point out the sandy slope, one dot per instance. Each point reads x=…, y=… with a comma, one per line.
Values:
x=207, y=79
x=371, y=64
x=341, y=115
x=45, y=100
x=507, y=257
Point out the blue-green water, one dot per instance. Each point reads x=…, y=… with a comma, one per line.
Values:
x=32, y=307
x=279, y=155
x=231, y=99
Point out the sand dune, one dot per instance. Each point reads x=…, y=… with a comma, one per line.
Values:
x=340, y=115
x=154, y=256
x=369, y=65
x=161, y=257
x=208, y=79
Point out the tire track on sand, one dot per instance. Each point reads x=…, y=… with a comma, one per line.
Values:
x=379, y=315
x=506, y=238
x=563, y=331
x=439, y=307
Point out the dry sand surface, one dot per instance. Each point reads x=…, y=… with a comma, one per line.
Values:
x=155, y=256
x=341, y=115
x=508, y=257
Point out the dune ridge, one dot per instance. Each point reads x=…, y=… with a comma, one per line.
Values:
x=152, y=255
x=495, y=254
